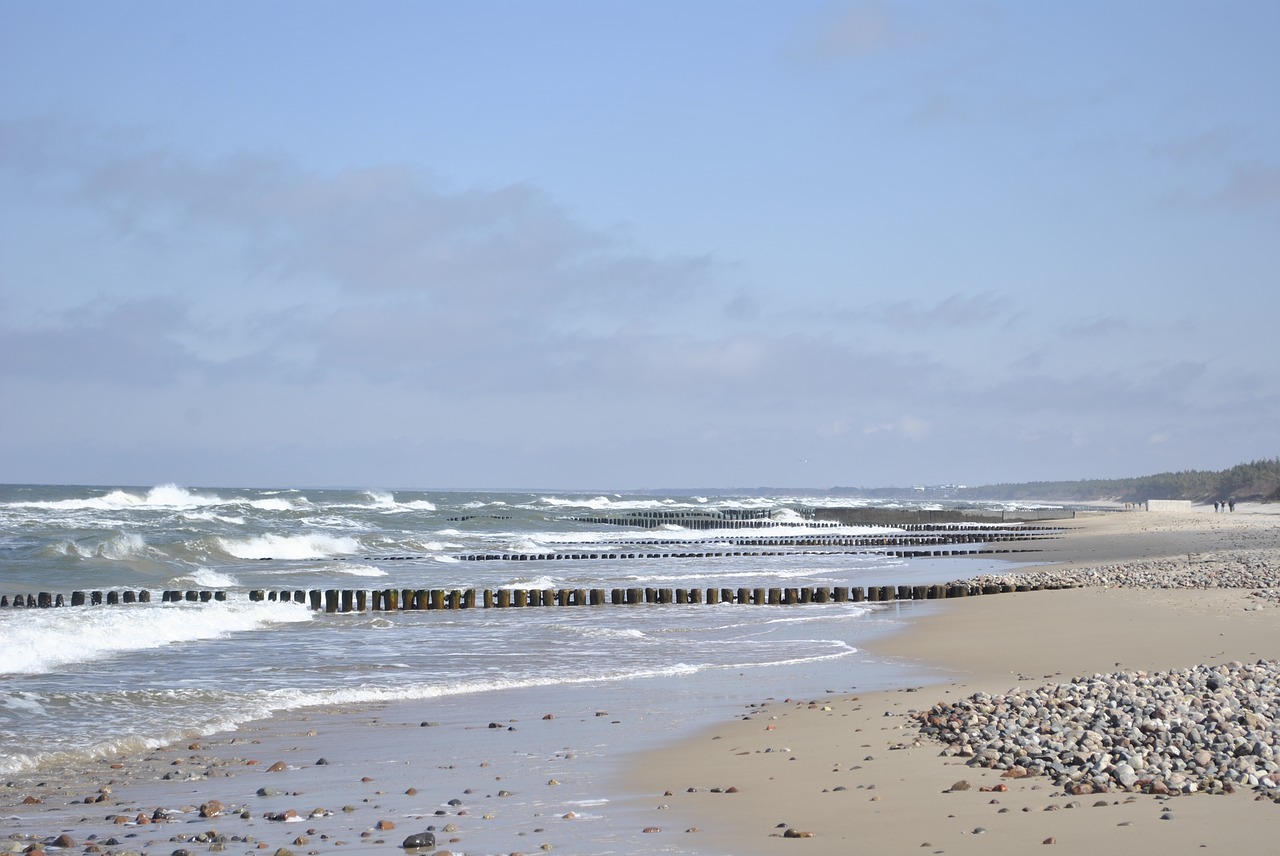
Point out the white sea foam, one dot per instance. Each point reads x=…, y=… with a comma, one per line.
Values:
x=604, y=503
x=419, y=505
x=356, y=570
x=428, y=546
x=212, y=517
x=38, y=641
x=163, y=496
x=207, y=578
x=614, y=633
x=120, y=547
x=275, y=503
x=532, y=583
x=271, y=546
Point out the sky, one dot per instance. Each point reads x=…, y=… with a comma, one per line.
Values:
x=636, y=244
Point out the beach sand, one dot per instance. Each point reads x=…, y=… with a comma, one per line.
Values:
x=848, y=769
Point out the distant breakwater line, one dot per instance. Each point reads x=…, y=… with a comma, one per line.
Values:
x=398, y=600
x=783, y=545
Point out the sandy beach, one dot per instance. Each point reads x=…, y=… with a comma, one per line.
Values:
x=849, y=770
x=841, y=771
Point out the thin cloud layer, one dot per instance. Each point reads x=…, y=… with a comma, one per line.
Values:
x=841, y=243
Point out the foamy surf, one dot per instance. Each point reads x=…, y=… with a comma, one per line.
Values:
x=272, y=546
x=41, y=641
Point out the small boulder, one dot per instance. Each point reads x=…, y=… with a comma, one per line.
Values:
x=419, y=840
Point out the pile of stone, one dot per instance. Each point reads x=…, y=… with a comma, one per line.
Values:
x=1256, y=570
x=1209, y=728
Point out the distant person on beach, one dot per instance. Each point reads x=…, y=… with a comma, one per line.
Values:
x=1232, y=503
x=1215, y=507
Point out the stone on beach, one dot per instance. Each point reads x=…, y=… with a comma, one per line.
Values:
x=419, y=841
x=1182, y=730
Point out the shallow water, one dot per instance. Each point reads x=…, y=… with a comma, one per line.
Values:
x=77, y=682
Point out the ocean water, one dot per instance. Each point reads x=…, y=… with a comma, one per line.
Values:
x=87, y=681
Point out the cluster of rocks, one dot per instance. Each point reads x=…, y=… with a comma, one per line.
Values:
x=1208, y=728
x=1255, y=570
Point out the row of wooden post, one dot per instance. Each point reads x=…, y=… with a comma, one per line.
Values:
x=45, y=600
x=392, y=600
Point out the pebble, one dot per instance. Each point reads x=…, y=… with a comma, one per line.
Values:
x=1255, y=570
x=1210, y=728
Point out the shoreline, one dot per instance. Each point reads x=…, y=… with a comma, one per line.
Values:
x=851, y=769
x=587, y=768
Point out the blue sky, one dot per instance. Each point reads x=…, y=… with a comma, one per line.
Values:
x=636, y=244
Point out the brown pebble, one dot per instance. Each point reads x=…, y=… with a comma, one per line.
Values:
x=961, y=785
x=651, y=829
x=384, y=825
x=1050, y=840
x=277, y=767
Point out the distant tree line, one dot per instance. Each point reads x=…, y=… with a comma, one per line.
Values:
x=1258, y=481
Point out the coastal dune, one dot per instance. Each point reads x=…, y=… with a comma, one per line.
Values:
x=852, y=770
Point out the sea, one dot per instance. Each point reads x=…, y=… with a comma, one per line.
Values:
x=88, y=681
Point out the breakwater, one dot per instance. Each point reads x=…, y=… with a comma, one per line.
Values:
x=915, y=541
x=395, y=600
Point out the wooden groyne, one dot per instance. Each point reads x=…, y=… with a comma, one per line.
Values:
x=399, y=600
x=45, y=600
x=918, y=540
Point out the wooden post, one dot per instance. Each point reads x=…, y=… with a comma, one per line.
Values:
x=331, y=600
x=348, y=600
